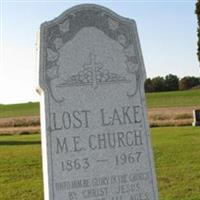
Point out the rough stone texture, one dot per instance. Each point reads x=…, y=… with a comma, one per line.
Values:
x=95, y=135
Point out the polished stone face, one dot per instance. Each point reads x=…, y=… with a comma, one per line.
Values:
x=96, y=143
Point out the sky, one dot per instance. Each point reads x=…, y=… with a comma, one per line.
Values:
x=167, y=31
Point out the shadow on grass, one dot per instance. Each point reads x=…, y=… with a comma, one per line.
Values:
x=19, y=142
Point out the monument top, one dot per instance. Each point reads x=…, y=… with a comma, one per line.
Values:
x=65, y=26
x=87, y=7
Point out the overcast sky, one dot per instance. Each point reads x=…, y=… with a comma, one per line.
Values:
x=167, y=31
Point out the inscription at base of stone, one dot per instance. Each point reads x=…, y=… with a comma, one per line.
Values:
x=95, y=135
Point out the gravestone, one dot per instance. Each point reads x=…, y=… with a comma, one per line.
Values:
x=95, y=135
x=196, y=118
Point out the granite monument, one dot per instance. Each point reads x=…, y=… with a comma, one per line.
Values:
x=95, y=135
x=196, y=118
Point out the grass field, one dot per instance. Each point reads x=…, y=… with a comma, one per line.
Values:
x=177, y=153
x=159, y=99
x=20, y=168
x=15, y=110
x=174, y=99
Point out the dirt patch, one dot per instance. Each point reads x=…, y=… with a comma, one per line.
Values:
x=20, y=121
x=176, y=116
x=19, y=130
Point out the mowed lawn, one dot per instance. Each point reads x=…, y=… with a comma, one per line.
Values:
x=173, y=99
x=20, y=167
x=16, y=110
x=154, y=100
x=176, y=150
x=177, y=155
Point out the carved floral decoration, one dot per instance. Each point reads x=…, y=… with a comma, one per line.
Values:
x=90, y=75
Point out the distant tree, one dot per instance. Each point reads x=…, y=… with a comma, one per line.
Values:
x=197, y=11
x=148, y=85
x=158, y=84
x=194, y=81
x=183, y=84
x=188, y=82
x=171, y=82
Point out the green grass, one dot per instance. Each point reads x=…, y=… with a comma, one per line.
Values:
x=176, y=150
x=20, y=168
x=177, y=153
x=174, y=99
x=15, y=110
x=159, y=99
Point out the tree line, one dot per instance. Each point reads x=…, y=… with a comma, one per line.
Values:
x=197, y=11
x=171, y=83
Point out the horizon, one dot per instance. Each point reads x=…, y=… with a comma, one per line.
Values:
x=167, y=31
